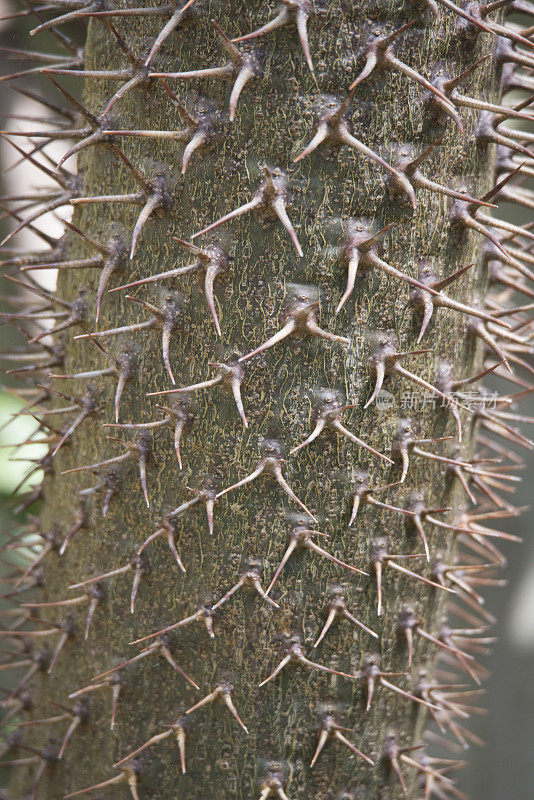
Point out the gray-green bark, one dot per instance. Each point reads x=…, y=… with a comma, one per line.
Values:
x=275, y=120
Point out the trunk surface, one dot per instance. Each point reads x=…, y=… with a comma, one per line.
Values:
x=330, y=194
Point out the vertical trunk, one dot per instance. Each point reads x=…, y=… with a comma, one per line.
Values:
x=332, y=196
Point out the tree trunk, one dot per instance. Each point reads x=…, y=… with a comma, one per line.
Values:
x=336, y=198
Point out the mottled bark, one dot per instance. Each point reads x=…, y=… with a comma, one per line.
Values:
x=276, y=118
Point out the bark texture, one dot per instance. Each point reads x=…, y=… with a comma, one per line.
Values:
x=329, y=193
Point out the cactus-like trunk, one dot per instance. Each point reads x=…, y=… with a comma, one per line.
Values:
x=324, y=172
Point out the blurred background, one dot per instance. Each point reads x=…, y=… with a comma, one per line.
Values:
x=504, y=767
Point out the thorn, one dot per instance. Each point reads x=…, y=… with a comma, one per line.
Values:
x=361, y=245
x=40, y=663
x=173, y=273
x=351, y=256
x=66, y=630
x=89, y=405
x=386, y=361
x=139, y=326
x=487, y=132
x=372, y=674
x=420, y=513
x=47, y=758
x=363, y=494
x=204, y=613
x=449, y=636
x=168, y=319
x=153, y=196
x=478, y=329
x=413, y=175
x=337, y=606
x=178, y=729
x=224, y=691
x=168, y=28
x=229, y=377
x=159, y=647
x=152, y=203
x=295, y=12
x=137, y=565
x=94, y=595
x=327, y=418
x=379, y=54
x=408, y=623
x=379, y=558
x=333, y=126
x=113, y=682
x=252, y=578
x=139, y=450
x=78, y=715
x=169, y=529
x=391, y=753
x=270, y=197
x=449, y=88
x=294, y=655
x=51, y=543
x=128, y=774
x=298, y=318
x=330, y=728
x=273, y=785
x=270, y=465
x=464, y=15
x=480, y=13
x=301, y=537
x=243, y=66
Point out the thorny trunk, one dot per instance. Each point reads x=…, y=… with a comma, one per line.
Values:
x=331, y=195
